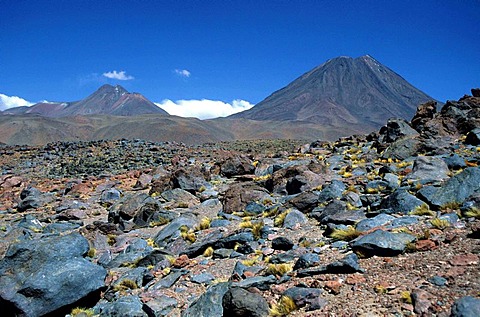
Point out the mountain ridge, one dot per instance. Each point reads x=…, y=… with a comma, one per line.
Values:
x=108, y=99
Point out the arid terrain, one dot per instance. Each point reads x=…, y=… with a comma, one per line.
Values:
x=385, y=224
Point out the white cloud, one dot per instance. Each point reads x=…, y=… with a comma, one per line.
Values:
x=203, y=109
x=121, y=75
x=12, y=101
x=182, y=72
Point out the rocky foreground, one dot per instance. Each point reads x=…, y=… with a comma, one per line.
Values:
x=381, y=225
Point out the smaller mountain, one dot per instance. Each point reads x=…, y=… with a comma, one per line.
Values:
x=107, y=100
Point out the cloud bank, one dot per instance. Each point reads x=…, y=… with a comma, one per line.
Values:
x=203, y=109
x=7, y=102
x=121, y=75
x=182, y=72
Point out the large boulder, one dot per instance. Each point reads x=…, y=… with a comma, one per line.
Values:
x=238, y=302
x=457, y=188
x=401, y=201
x=48, y=276
x=425, y=112
x=467, y=306
x=382, y=243
x=238, y=196
x=209, y=303
x=428, y=169
x=397, y=129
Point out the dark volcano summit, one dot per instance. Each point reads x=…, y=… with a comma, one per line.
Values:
x=343, y=91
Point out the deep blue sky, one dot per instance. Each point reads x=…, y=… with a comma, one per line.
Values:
x=58, y=50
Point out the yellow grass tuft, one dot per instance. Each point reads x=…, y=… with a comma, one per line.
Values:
x=285, y=306
x=279, y=269
x=473, y=212
x=406, y=297
x=278, y=221
x=203, y=224
x=347, y=234
x=422, y=210
x=82, y=312
x=208, y=252
x=440, y=223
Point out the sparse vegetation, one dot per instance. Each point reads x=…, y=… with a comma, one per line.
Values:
x=346, y=234
x=285, y=306
x=278, y=221
x=82, y=312
x=473, y=212
x=439, y=223
x=124, y=285
x=422, y=210
x=208, y=252
x=279, y=269
x=203, y=224
x=406, y=296
x=452, y=205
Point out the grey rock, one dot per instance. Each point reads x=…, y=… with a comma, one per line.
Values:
x=261, y=282
x=404, y=221
x=336, y=212
x=237, y=165
x=397, y=129
x=282, y=243
x=349, y=264
x=222, y=253
x=209, y=303
x=331, y=191
x=294, y=219
x=306, y=260
x=219, y=223
x=377, y=221
x=238, y=302
x=473, y=137
x=455, y=162
x=48, y=274
x=382, y=243
x=124, y=306
x=172, y=231
x=402, y=149
x=169, y=280
x=458, y=188
x=303, y=296
x=401, y=201
x=202, y=278
x=160, y=306
x=136, y=275
x=437, y=280
x=427, y=169
x=467, y=306
x=110, y=196
x=178, y=195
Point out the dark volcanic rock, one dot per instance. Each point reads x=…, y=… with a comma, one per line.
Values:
x=457, y=188
x=382, y=243
x=397, y=129
x=46, y=276
x=237, y=165
x=336, y=212
x=238, y=196
x=467, y=306
x=209, y=303
x=282, y=243
x=238, y=302
x=473, y=137
x=124, y=306
x=401, y=201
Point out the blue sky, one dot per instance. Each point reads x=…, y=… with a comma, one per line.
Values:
x=228, y=50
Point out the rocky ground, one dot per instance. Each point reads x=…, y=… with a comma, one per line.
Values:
x=381, y=225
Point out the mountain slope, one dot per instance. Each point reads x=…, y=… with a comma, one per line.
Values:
x=111, y=100
x=341, y=92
